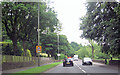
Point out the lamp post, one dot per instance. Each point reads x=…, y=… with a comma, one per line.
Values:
x=38, y=33
x=58, y=46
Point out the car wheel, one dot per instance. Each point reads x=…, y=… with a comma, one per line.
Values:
x=63, y=65
x=83, y=64
x=91, y=64
x=72, y=65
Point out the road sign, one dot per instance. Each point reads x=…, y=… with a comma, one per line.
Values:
x=38, y=49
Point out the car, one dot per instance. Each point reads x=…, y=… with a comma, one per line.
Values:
x=68, y=62
x=75, y=59
x=87, y=61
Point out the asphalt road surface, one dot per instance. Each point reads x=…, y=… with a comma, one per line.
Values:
x=79, y=68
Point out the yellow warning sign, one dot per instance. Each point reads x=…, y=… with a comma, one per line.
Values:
x=38, y=49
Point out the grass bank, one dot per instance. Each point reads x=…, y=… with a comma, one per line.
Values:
x=36, y=70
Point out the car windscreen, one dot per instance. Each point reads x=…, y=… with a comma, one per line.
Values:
x=87, y=59
x=69, y=59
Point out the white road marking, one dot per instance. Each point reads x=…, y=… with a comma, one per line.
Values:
x=80, y=68
x=84, y=71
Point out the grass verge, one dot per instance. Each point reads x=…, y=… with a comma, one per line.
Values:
x=36, y=70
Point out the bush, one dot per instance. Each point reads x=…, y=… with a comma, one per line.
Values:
x=102, y=56
x=62, y=56
x=28, y=53
x=42, y=55
x=7, y=48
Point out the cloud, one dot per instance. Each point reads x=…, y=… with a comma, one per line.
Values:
x=69, y=12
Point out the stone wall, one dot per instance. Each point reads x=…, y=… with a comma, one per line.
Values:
x=114, y=62
x=99, y=61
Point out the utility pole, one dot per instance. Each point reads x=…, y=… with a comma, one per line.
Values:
x=38, y=34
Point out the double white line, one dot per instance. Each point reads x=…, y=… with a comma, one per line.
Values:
x=80, y=68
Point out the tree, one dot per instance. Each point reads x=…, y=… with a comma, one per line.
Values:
x=10, y=21
x=50, y=45
x=20, y=22
x=83, y=52
x=75, y=46
x=48, y=24
x=101, y=24
x=65, y=46
x=92, y=47
x=27, y=24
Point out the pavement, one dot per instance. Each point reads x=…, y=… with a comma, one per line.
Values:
x=20, y=69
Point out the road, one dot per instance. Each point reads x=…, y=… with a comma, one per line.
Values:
x=79, y=68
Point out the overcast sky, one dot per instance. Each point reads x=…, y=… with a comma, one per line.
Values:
x=69, y=13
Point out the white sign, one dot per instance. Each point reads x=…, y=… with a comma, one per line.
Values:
x=58, y=54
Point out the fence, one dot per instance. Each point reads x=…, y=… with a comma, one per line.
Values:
x=11, y=62
x=0, y=62
x=10, y=58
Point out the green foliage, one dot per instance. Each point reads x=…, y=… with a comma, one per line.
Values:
x=86, y=51
x=101, y=23
x=28, y=53
x=6, y=48
x=50, y=45
x=75, y=46
x=65, y=47
x=62, y=56
x=19, y=22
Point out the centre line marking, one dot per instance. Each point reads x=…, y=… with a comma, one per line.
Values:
x=80, y=68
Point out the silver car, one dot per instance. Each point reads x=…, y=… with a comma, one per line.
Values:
x=87, y=61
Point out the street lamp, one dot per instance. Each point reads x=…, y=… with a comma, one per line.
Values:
x=38, y=33
x=58, y=46
x=45, y=31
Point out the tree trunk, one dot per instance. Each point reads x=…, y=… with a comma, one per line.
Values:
x=15, y=49
x=92, y=52
x=111, y=58
x=90, y=41
x=24, y=47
